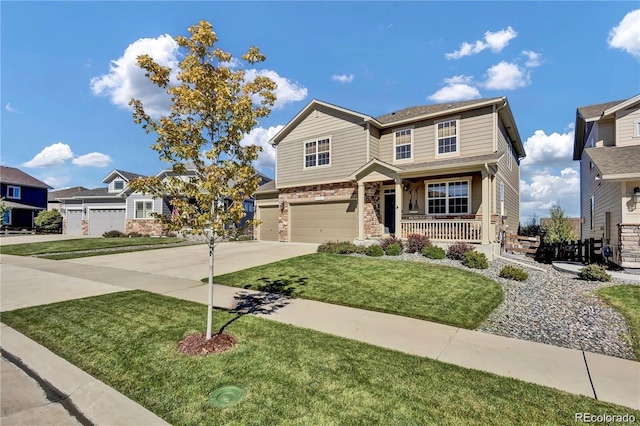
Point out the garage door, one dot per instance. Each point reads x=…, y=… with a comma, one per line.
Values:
x=74, y=222
x=322, y=222
x=103, y=220
x=269, y=225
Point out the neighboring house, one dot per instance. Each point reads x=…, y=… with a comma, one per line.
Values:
x=53, y=197
x=449, y=171
x=117, y=207
x=607, y=144
x=25, y=196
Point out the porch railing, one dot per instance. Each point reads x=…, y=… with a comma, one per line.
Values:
x=445, y=230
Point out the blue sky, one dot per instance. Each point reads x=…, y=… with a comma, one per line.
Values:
x=68, y=71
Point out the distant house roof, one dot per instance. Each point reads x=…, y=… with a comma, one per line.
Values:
x=97, y=192
x=616, y=162
x=53, y=196
x=11, y=175
x=267, y=187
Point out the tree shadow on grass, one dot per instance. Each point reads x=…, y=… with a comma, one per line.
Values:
x=266, y=297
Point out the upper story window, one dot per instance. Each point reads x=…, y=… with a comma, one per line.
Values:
x=403, y=142
x=144, y=209
x=118, y=184
x=447, y=135
x=317, y=153
x=13, y=192
x=448, y=197
x=637, y=134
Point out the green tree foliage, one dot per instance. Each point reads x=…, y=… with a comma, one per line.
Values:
x=49, y=221
x=3, y=209
x=212, y=108
x=531, y=228
x=559, y=228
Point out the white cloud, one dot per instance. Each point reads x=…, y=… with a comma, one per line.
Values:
x=533, y=59
x=56, y=182
x=342, y=78
x=126, y=80
x=52, y=155
x=261, y=136
x=506, y=76
x=286, y=91
x=93, y=159
x=546, y=188
x=458, y=88
x=553, y=149
x=626, y=36
x=9, y=108
x=494, y=41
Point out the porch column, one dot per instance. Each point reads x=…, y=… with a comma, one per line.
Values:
x=486, y=207
x=398, y=208
x=361, y=207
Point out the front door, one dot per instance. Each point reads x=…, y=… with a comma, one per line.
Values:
x=390, y=210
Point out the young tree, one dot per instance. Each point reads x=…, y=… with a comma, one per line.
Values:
x=212, y=108
x=559, y=227
x=3, y=209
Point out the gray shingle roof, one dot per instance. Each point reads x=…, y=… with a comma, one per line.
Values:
x=97, y=192
x=417, y=111
x=267, y=187
x=591, y=111
x=64, y=193
x=11, y=175
x=616, y=160
x=128, y=175
x=458, y=161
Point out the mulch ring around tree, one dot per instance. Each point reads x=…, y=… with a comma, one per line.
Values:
x=197, y=344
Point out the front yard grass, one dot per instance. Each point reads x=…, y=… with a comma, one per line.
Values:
x=290, y=375
x=431, y=292
x=626, y=299
x=82, y=244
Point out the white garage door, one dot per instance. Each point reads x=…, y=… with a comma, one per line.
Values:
x=269, y=226
x=104, y=220
x=322, y=222
x=74, y=222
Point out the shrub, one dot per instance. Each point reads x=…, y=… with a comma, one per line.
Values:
x=474, y=259
x=458, y=249
x=386, y=242
x=49, y=221
x=513, y=273
x=594, y=273
x=393, y=250
x=416, y=242
x=337, y=247
x=433, y=252
x=135, y=234
x=113, y=234
x=374, y=250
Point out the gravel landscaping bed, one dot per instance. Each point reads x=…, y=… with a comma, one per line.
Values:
x=550, y=307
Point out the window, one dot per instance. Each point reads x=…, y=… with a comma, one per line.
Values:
x=317, y=153
x=593, y=212
x=248, y=206
x=637, y=129
x=447, y=137
x=403, y=143
x=6, y=218
x=13, y=192
x=144, y=209
x=118, y=184
x=448, y=197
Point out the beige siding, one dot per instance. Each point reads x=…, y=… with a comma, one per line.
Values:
x=626, y=123
x=606, y=133
x=374, y=143
x=508, y=174
x=348, y=149
x=475, y=137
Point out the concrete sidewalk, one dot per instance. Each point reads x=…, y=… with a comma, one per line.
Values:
x=606, y=378
x=574, y=268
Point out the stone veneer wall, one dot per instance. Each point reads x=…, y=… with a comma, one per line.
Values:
x=330, y=192
x=143, y=226
x=629, y=240
x=85, y=227
x=372, y=216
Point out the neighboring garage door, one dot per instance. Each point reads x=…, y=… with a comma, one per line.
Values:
x=74, y=222
x=103, y=220
x=322, y=222
x=269, y=225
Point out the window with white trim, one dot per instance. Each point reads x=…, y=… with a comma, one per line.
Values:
x=118, y=185
x=144, y=209
x=448, y=197
x=13, y=192
x=317, y=153
x=6, y=218
x=637, y=129
x=447, y=135
x=403, y=143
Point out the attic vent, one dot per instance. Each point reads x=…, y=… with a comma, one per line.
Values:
x=449, y=106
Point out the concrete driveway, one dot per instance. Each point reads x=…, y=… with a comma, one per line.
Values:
x=192, y=262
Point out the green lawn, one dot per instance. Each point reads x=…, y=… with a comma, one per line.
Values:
x=290, y=375
x=81, y=244
x=626, y=299
x=432, y=292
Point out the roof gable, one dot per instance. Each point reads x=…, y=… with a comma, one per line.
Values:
x=11, y=175
x=126, y=176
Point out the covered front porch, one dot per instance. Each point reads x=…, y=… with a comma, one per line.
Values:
x=446, y=204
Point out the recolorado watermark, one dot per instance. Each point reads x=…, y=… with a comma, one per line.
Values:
x=604, y=418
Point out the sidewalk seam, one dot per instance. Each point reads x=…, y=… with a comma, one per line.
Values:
x=584, y=356
x=447, y=345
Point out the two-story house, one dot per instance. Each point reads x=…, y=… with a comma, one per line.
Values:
x=449, y=171
x=607, y=144
x=24, y=195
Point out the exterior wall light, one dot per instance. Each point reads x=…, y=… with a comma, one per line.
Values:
x=636, y=194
